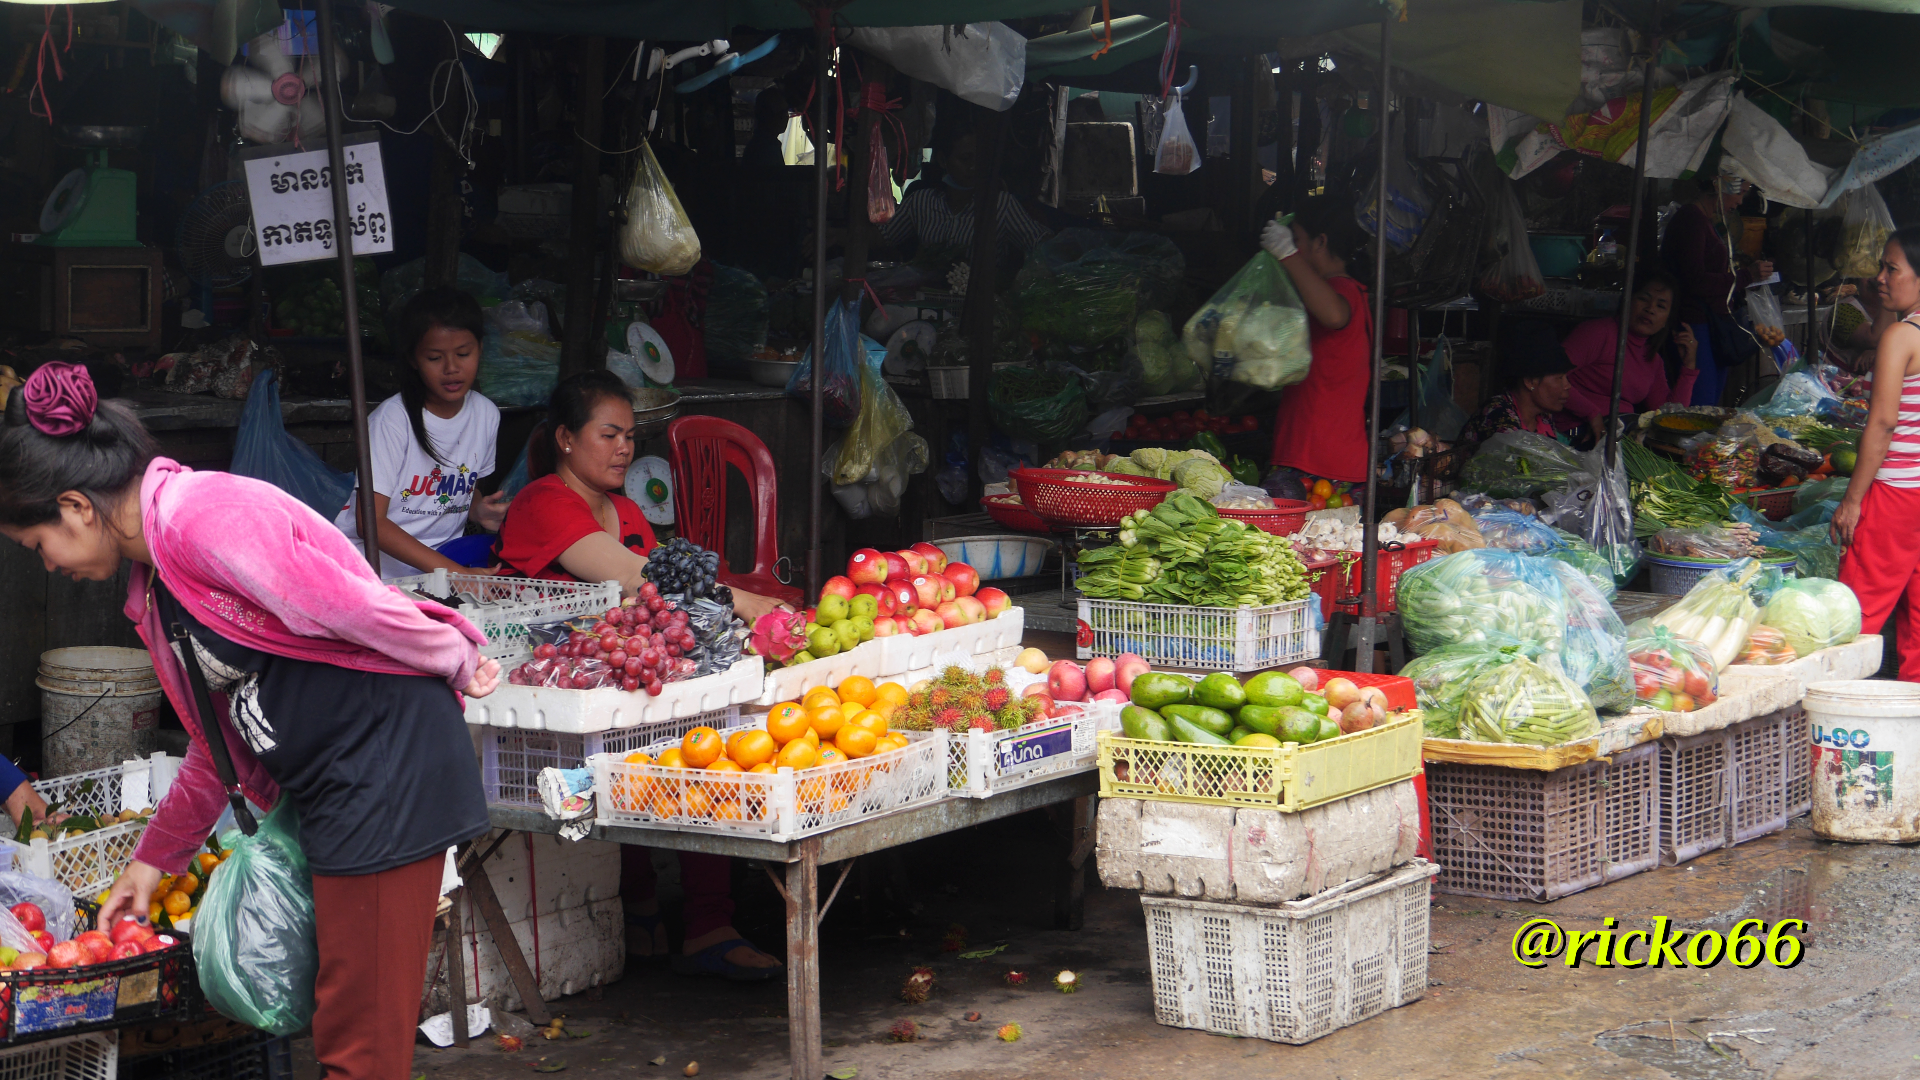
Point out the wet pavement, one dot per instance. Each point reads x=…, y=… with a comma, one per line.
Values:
x=1848, y=1008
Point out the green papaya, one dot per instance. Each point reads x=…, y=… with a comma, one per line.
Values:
x=1239, y=732
x=1139, y=723
x=1158, y=689
x=1264, y=719
x=1299, y=726
x=1187, y=731
x=1313, y=703
x=1328, y=730
x=1274, y=688
x=1211, y=719
x=1220, y=691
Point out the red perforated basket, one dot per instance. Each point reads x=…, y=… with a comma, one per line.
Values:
x=1333, y=586
x=1062, y=500
x=1287, y=517
x=1009, y=511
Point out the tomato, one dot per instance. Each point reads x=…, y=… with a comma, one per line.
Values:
x=1673, y=681
x=1662, y=701
x=1201, y=415
x=1683, y=703
x=1322, y=489
x=1182, y=415
x=1248, y=423
x=1317, y=502
x=1696, y=685
x=1644, y=685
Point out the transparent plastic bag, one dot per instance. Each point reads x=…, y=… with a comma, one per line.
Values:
x=518, y=368
x=1593, y=648
x=253, y=940
x=53, y=898
x=1813, y=614
x=1469, y=596
x=1865, y=226
x=1502, y=528
x=263, y=450
x=883, y=418
x=1607, y=524
x=1514, y=274
x=1440, y=415
x=1598, y=570
x=1526, y=702
x=1704, y=542
x=510, y=316
x=1159, y=361
x=1175, y=154
x=1729, y=462
x=1816, y=491
x=1052, y=418
x=1767, y=647
x=880, y=204
x=845, y=356
x=1799, y=393
x=657, y=236
x=1253, y=330
x=1441, y=677
x=1520, y=464
x=1086, y=287
x=1763, y=311
x=1671, y=673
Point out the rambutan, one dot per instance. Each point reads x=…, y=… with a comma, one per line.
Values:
x=917, y=987
x=1010, y=1033
x=955, y=675
x=1016, y=978
x=995, y=677
x=978, y=722
x=947, y=718
x=939, y=696
x=997, y=698
x=904, y=1031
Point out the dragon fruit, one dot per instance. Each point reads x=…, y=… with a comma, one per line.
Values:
x=777, y=635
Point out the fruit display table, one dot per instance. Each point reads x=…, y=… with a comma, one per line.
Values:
x=804, y=857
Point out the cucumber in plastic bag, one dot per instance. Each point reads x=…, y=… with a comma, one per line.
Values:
x=253, y=940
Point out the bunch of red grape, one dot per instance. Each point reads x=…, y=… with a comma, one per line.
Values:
x=640, y=645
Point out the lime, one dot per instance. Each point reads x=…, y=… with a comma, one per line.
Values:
x=1844, y=461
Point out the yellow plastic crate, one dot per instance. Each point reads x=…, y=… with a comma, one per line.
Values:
x=1289, y=777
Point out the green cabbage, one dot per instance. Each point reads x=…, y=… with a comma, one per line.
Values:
x=1813, y=614
x=1203, y=478
x=1150, y=458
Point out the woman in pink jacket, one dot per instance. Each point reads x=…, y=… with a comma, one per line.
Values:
x=333, y=691
x=1644, y=388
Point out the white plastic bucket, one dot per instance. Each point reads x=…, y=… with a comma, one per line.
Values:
x=99, y=706
x=1866, y=760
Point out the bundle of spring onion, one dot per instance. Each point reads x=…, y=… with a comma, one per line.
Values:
x=1524, y=702
x=1183, y=552
x=1717, y=612
x=1664, y=496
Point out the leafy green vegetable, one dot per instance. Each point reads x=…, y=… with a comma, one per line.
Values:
x=1813, y=614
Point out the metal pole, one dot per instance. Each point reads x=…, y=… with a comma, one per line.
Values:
x=1370, y=542
x=366, y=515
x=1806, y=219
x=822, y=156
x=1633, y=242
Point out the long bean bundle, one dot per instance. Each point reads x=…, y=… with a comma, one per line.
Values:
x=1523, y=702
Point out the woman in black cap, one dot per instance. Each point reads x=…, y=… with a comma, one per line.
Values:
x=1536, y=367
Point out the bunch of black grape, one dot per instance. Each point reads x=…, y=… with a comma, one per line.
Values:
x=684, y=567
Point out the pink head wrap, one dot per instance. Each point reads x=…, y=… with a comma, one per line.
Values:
x=60, y=399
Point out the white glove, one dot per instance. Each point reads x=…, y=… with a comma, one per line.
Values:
x=1277, y=239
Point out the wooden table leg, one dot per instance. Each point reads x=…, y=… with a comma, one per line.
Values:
x=489, y=916
x=803, y=962
x=456, y=971
x=1070, y=898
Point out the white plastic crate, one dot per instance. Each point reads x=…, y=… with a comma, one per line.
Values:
x=1296, y=971
x=503, y=608
x=981, y=764
x=902, y=653
x=578, y=712
x=91, y=861
x=511, y=760
x=788, y=683
x=93, y=1056
x=1219, y=639
x=782, y=805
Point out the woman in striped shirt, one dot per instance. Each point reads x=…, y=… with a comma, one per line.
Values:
x=940, y=218
x=1876, y=520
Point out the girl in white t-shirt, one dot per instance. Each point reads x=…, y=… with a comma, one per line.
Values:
x=434, y=441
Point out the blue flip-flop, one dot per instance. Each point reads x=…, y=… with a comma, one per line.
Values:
x=645, y=926
x=712, y=960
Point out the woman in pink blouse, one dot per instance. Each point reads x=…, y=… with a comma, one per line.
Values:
x=1592, y=345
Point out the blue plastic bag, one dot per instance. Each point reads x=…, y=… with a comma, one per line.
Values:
x=845, y=352
x=253, y=940
x=264, y=451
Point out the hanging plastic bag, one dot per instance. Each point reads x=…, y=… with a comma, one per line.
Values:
x=1514, y=274
x=1763, y=311
x=1439, y=414
x=263, y=450
x=845, y=353
x=518, y=368
x=1047, y=405
x=1175, y=154
x=1865, y=226
x=880, y=204
x=657, y=236
x=1254, y=330
x=1671, y=673
x=1159, y=361
x=253, y=940
x=883, y=418
x=1409, y=203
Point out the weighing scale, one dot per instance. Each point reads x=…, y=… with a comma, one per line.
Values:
x=645, y=344
x=93, y=206
x=650, y=483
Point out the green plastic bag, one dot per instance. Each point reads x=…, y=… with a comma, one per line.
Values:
x=253, y=940
x=1047, y=406
x=1254, y=330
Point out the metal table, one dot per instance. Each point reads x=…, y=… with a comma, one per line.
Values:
x=804, y=857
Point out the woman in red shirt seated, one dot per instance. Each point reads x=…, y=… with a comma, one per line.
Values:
x=571, y=524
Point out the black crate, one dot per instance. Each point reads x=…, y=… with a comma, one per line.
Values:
x=263, y=1057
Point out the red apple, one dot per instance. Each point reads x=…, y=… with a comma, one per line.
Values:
x=905, y=597
x=1126, y=668
x=68, y=954
x=126, y=950
x=996, y=601
x=966, y=580
x=926, y=622
x=43, y=939
x=837, y=586
x=884, y=626
x=936, y=558
x=129, y=929
x=916, y=562
x=927, y=590
x=951, y=614
x=948, y=593
x=867, y=567
x=159, y=942
x=97, y=944
x=883, y=601
x=1111, y=697
x=1066, y=681
x=1039, y=690
x=27, y=961
x=30, y=916
x=897, y=567
x=1100, y=674
x=976, y=611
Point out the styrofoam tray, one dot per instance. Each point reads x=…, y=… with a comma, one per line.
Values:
x=904, y=652
x=577, y=712
x=788, y=683
x=1857, y=659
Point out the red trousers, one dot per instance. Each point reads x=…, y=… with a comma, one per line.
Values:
x=374, y=932
x=1883, y=565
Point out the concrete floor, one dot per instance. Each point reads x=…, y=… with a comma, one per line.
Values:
x=1848, y=1009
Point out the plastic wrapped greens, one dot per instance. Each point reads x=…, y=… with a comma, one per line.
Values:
x=1593, y=650
x=1718, y=611
x=1813, y=614
x=1526, y=702
x=1590, y=563
x=1159, y=361
x=1441, y=677
x=1083, y=286
x=1254, y=330
x=1471, y=596
x=1519, y=463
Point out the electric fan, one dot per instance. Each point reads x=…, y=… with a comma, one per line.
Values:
x=216, y=237
x=273, y=101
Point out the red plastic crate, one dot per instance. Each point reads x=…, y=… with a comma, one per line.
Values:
x=1394, y=561
x=1398, y=688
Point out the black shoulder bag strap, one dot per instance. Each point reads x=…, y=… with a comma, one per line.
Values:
x=209, y=719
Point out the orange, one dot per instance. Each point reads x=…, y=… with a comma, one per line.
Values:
x=752, y=748
x=727, y=811
x=890, y=692
x=787, y=723
x=851, y=709
x=733, y=741
x=700, y=747
x=885, y=710
x=831, y=756
x=812, y=737
x=187, y=883
x=176, y=903
x=672, y=758
x=206, y=862
x=700, y=804
x=664, y=804
x=857, y=689
x=855, y=742
x=817, y=697
x=764, y=767
x=637, y=758
x=826, y=720
x=891, y=741
x=798, y=754
x=154, y=911
x=872, y=721
x=723, y=765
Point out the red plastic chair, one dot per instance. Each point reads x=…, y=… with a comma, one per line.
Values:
x=700, y=448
